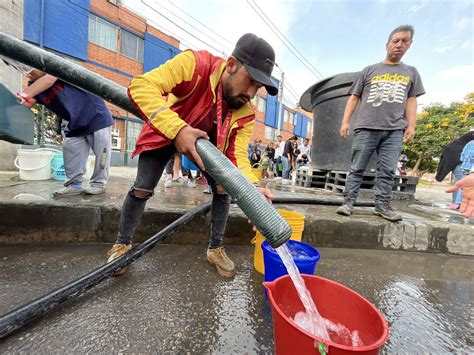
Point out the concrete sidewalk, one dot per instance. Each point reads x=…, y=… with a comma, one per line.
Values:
x=31, y=215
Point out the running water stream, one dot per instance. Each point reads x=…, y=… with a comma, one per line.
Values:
x=311, y=320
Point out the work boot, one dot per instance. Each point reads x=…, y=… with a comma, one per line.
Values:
x=218, y=257
x=68, y=191
x=116, y=251
x=384, y=210
x=347, y=206
x=94, y=190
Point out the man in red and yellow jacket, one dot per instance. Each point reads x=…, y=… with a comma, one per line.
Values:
x=196, y=95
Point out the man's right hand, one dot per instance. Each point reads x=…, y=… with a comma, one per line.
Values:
x=185, y=142
x=344, y=131
x=59, y=138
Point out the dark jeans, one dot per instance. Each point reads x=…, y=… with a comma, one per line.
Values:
x=150, y=169
x=388, y=145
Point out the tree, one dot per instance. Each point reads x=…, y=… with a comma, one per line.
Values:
x=47, y=128
x=436, y=126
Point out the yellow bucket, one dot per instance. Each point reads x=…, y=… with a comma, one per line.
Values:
x=296, y=222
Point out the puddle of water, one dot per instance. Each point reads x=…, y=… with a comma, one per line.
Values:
x=428, y=316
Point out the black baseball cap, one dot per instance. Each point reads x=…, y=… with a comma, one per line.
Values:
x=258, y=57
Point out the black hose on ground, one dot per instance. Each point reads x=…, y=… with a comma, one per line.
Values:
x=18, y=318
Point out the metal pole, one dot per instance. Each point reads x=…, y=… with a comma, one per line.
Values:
x=281, y=115
x=41, y=125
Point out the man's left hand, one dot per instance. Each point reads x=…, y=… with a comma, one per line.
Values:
x=409, y=134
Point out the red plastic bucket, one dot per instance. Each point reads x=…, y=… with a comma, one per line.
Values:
x=335, y=302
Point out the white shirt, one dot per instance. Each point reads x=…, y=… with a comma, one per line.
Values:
x=305, y=150
x=279, y=150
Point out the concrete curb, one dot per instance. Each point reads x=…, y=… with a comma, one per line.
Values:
x=26, y=223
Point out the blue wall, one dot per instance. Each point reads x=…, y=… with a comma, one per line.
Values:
x=157, y=52
x=301, y=126
x=272, y=108
x=65, y=25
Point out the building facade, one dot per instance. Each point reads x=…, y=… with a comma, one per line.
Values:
x=115, y=42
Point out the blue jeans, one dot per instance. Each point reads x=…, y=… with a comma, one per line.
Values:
x=286, y=168
x=150, y=168
x=458, y=175
x=388, y=145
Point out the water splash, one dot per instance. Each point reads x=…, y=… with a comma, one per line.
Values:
x=315, y=324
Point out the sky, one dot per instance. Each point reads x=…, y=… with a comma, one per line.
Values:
x=316, y=39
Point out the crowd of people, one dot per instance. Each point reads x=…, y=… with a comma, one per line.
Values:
x=212, y=101
x=279, y=158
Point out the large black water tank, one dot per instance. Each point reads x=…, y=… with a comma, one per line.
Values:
x=327, y=100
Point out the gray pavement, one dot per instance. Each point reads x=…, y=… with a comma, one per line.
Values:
x=29, y=214
x=172, y=301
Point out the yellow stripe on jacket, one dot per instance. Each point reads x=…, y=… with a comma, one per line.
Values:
x=148, y=90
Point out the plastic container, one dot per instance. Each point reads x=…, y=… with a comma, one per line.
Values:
x=188, y=164
x=34, y=164
x=296, y=222
x=336, y=303
x=304, y=255
x=57, y=167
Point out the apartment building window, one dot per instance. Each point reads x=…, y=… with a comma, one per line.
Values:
x=262, y=103
x=102, y=33
x=291, y=118
x=133, y=130
x=269, y=132
x=131, y=46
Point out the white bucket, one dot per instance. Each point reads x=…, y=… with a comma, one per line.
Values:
x=34, y=164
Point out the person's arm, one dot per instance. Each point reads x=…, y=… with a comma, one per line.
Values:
x=466, y=184
x=57, y=128
x=147, y=91
x=40, y=85
x=27, y=96
x=348, y=111
x=410, y=114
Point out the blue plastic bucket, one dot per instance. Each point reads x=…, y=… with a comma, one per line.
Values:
x=57, y=167
x=305, y=256
x=188, y=164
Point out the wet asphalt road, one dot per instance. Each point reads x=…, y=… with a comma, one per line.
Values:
x=172, y=301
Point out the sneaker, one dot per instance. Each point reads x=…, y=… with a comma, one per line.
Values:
x=189, y=183
x=454, y=206
x=218, y=258
x=178, y=182
x=116, y=251
x=68, y=191
x=347, y=207
x=384, y=210
x=169, y=183
x=94, y=190
x=207, y=190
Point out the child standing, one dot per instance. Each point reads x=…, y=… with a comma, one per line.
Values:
x=265, y=164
